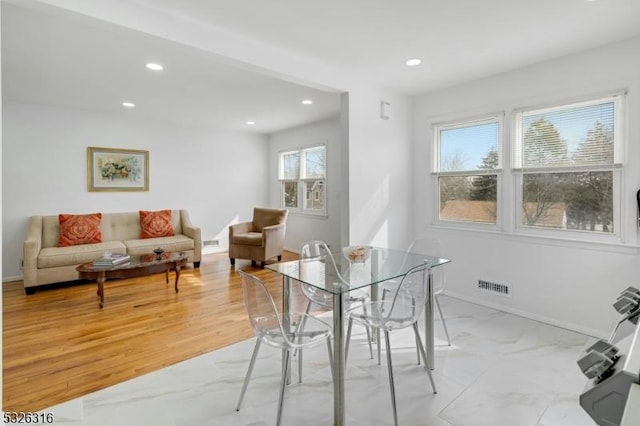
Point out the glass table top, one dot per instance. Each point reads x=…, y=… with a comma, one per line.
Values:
x=382, y=265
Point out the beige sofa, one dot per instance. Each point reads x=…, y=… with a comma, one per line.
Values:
x=45, y=263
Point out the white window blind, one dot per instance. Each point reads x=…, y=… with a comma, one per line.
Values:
x=565, y=157
x=289, y=165
x=570, y=136
x=314, y=163
x=468, y=146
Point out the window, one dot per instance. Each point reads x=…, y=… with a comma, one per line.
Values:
x=302, y=176
x=467, y=166
x=565, y=159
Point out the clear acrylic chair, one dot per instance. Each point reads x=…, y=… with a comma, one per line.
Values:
x=431, y=246
x=428, y=246
x=313, y=251
x=280, y=333
x=401, y=309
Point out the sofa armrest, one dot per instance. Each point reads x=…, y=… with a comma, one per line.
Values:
x=239, y=228
x=273, y=238
x=192, y=232
x=31, y=249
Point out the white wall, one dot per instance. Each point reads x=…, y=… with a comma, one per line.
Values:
x=379, y=169
x=305, y=227
x=571, y=284
x=217, y=176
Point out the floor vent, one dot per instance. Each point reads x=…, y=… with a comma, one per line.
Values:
x=494, y=288
x=211, y=243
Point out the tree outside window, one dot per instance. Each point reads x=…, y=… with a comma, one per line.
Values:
x=567, y=159
x=467, y=168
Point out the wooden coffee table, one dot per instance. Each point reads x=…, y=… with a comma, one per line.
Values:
x=138, y=266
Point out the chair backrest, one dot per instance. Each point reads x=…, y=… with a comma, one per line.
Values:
x=263, y=216
x=262, y=311
x=431, y=246
x=313, y=251
x=407, y=303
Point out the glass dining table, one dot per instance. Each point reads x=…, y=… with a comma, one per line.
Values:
x=382, y=264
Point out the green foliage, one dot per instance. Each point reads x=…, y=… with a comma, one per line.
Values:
x=586, y=197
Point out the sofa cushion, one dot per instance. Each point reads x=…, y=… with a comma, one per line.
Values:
x=50, y=257
x=250, y=238
x=156, y=224
x=79, y=229
x=145, y=246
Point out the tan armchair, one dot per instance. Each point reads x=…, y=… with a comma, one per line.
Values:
x=261, y=239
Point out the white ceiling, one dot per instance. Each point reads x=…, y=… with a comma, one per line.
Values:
x=59, y=58
x=65, y=60
x=458, y=40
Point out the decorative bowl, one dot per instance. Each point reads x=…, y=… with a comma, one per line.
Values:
x=158, y=251
x=357, y=253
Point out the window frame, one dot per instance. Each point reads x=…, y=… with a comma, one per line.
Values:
x=436, y=173
x=302, y=180
x=518, y=171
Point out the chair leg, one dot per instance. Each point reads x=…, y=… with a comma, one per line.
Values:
x=304, y=319
x=418, y=352
x=369, y=341
x=300, y=366
x=424, y=356
x=444, y=324
x=346, y=346
x=379, y=344
x=392, y=386
x=256, y=348
x=299, y=330
x=364, y=309
x=283, y=384
x=331, y=358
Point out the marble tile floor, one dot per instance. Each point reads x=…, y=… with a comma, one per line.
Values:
x=501, y=370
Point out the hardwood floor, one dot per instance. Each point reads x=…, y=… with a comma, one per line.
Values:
x=58, y=344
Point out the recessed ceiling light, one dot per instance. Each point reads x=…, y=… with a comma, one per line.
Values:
x=413, y=62
x=307, y=102
x=154, y=67
x=128, y=104
x=251, y=123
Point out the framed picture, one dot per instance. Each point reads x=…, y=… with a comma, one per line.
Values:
x=112, y=169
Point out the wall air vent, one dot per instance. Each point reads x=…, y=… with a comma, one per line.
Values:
x=211, y=243
x=494, y=288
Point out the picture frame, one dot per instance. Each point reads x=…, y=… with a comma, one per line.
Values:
x=114, y=169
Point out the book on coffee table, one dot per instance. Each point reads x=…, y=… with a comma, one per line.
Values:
x=114, y=259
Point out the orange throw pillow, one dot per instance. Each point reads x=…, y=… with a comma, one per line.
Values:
x=156, y=224
x=79, y=229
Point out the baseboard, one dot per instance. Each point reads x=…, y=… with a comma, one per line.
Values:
x=540, y=318
x=211, y=250
x=11, y=279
